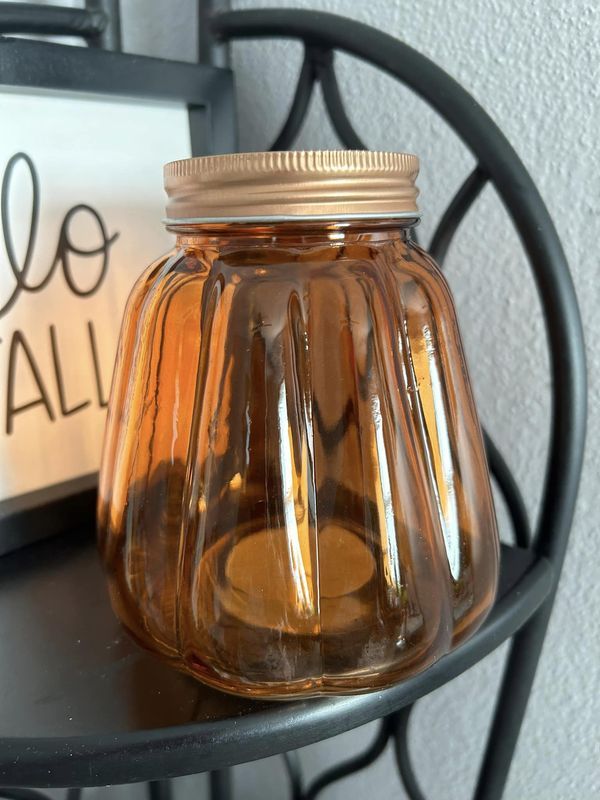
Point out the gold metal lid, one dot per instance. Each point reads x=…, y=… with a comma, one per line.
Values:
x=291, y=185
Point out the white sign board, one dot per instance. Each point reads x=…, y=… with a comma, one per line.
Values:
x=82, y=204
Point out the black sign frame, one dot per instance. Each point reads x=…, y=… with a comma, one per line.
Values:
x=208, y=93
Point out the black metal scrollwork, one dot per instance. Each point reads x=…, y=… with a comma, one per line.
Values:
x=318, y=66
x=497, y=164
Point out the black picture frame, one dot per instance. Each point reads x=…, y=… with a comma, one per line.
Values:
x=208, y=94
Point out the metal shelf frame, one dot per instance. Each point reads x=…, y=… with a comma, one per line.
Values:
x=531, y=569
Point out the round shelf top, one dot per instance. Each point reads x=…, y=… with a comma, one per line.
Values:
x=81, y=704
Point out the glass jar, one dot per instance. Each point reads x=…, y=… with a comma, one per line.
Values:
x=294, y=497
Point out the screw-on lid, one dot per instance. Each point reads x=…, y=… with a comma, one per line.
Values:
x=288, y=185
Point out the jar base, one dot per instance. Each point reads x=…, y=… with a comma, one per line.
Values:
x=328, y=686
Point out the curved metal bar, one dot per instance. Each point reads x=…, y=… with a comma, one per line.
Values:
x=522, y=201
x=160, y=790
x=335, y=105
x=438, y=249
x=294, y=771
x=405, y=768
x=22, y=794
x=540, y=240
x=110, y=38
x=297, y=113
x=455, y=213
x=221, y=784
x=510, y=490
x=355, y=764
x=31, y=18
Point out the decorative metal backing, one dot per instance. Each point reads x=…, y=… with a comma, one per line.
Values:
x=498, y=164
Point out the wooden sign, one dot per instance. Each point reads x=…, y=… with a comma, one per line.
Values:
x=82, y=204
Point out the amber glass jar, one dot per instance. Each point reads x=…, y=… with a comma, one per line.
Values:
x=294, y=496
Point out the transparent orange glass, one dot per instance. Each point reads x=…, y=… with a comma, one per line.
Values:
x=294, y=496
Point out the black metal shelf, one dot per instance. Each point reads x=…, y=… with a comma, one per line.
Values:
x=81, y=705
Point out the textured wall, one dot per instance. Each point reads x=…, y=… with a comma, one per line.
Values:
x=533, y=66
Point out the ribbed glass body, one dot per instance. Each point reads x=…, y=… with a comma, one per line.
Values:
x=294, y=497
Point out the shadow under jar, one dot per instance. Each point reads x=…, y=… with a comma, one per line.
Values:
x=294, y=496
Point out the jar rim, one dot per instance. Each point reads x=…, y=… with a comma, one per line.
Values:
x=278, y=219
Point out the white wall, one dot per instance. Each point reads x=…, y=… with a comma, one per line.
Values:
x=534, y=67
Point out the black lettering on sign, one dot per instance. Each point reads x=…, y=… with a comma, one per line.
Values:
x=22, y=361
x=60, y=381
x=102, y=397
x=18, y=344
x=65, y=247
